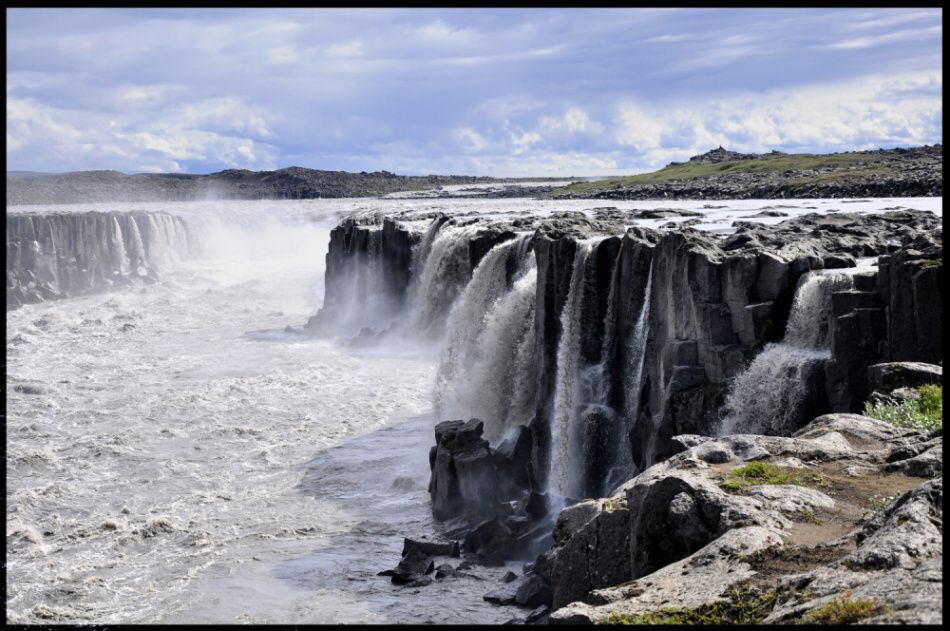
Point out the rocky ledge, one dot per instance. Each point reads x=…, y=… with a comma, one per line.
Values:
x=840, y=522
x=844, y=516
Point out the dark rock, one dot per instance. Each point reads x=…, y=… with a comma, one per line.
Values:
x=431, y=548
x=413, y=565
x=893, y=375
x=538, y=615
x=445, y=571
x=532, y=592
x=491, y=558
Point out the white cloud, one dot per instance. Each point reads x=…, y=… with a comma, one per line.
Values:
x=283, y=55
x=83, y=140
x=349, y=49
x=574, y=121
x=905, y=35
x=639, y=128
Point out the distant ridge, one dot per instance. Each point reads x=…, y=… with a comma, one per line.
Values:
x=724, y=174
x=28, y=173
x=288, y=183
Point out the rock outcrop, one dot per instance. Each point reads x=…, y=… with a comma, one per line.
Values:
x=666, y=320
x=696, y=538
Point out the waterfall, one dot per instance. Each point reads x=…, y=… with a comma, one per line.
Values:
x=118, y=242
x=767, y=396
x=636, y=353
x=567, y=457
x=444, y=273
x=487, y=369
x=620, y=465
x=138, y=258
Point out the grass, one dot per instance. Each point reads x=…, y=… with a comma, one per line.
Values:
x=880, y=502
x=857, y=165
x=843, y=610
x=745, y=606
x=761, y=473
x=924, y=413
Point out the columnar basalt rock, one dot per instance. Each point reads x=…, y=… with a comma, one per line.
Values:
x=714, y=303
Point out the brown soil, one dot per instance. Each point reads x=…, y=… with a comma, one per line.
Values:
x=807, y=545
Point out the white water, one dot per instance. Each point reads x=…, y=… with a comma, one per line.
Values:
x=486, y=370
x=767, y=395
x=174, y=456
x=567, y=447
x=443, y=276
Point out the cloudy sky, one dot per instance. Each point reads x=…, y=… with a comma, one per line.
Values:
x=502, y=92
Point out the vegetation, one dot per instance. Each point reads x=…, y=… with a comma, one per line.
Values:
x=843, y=610
x=924, y=413
x=880, y=502
x=857, y=164
x=761, y=473
x=745, y=606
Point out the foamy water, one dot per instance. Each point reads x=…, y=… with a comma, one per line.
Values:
x=174, y=455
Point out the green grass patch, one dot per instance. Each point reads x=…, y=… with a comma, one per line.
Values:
x=924, y=413
x=852, y=165
x=761, y=473
x=844, y=610
x=745, y=606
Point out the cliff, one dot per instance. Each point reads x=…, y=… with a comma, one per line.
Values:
x=587, y=357
x=52, y=256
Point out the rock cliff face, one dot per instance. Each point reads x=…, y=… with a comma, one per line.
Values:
x=51, y=256
x=593, y=362
x=637, y=336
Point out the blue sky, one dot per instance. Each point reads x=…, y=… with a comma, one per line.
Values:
x=501, y=92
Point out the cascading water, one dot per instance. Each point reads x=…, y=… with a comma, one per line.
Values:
x=565, y=477
x=118, y=241
x=621, y=466
x=636, y=353
x=444, y=274
x=767, y=396
x=487, y=369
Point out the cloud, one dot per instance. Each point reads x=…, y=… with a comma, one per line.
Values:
x=350, y=49
x=907, y=35
x=89, y=140
x=203, y=89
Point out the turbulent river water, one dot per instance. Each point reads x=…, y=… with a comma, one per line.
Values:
x=176, y=454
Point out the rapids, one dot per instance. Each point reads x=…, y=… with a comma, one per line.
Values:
x=180, y=452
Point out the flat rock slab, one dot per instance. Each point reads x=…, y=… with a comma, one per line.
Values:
x=700, y=578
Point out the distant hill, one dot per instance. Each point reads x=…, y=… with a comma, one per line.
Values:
x=27, y=173
x=723, y=174
x=716, y=174
x=289, y=183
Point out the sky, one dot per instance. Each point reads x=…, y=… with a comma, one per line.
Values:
x=497, y=92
